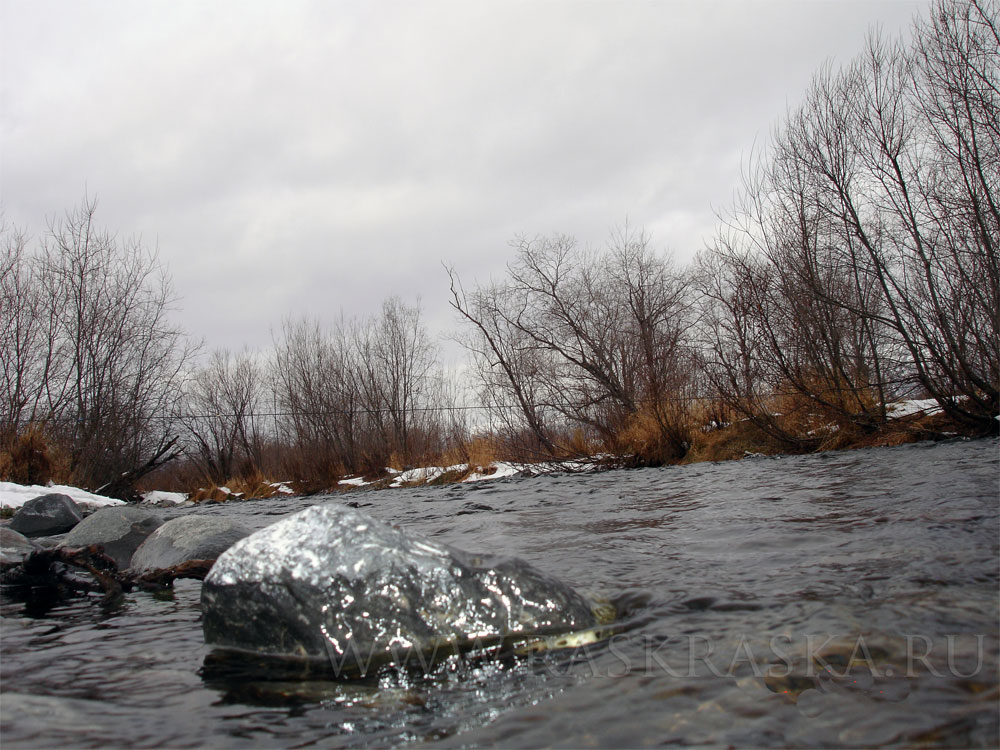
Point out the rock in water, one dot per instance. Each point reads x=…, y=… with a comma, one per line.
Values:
x=187, y=538
x=46, y=515
x=14, y=547
x=334, y=587
x=120, y=530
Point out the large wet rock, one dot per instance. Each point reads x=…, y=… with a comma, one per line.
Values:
x=46, y=515
x=187, y=538
x=14, y=547
x=336, y=588
x=120, y=530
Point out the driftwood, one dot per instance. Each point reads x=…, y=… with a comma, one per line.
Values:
x=56, y=569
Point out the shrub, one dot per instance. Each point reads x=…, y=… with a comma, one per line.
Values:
x=28, y=460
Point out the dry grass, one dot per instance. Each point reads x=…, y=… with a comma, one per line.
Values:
x=482, y=452
x=658, y=434
x=731, y=442
x=641, y=436
x=255, y=486
x=578, y=444
x=736, y=440
x=34, y=457
x=477, y=453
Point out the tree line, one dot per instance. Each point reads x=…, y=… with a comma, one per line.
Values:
x=858, y=266
x=98, y=387
x=861, y=264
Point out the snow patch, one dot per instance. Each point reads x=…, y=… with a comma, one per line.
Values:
x=160, y=497
x=500, y=470
x=15, y=495
x=925, y=406
x=354, y=482
x=424, y=474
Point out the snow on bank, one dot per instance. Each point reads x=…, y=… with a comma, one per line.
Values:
x=923, y=406
x=499, y=470
x=15, y=495
x=354, y=482
x=160, y=497
x=425, y=474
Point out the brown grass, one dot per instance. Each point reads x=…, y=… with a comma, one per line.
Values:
x=483, y=451
x=255, y=486
x=477, y=453
x=578, y=444
x=28, y=459
x=740, y=438
x=641, y=435
x=731, y=442
x=658, y=433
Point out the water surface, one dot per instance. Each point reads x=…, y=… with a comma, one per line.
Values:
x=838, y=599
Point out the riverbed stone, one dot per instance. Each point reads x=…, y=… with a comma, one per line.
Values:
x=14, y=546
x=46, y=515
x=120, y=530
x=187, y=538
x=335, y=588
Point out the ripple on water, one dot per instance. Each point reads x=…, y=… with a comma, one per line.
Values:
x=724, y=575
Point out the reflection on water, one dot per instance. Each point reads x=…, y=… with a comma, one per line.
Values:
x=845, y=599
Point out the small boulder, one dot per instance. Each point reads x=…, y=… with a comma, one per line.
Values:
x=335, y=588
x=14, y=547
x=46, y=515
x=187, y=538
x=120, y=530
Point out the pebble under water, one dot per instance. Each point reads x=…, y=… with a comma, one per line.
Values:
x=838, y=599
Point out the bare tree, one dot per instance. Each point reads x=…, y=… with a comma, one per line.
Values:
x=403, y=356
x=583, y=338
x=861, y=261
x=360, y=391
x=224, y=401
x=507, y=367
x=22, y=350
x=88, y=317
x=315, y=390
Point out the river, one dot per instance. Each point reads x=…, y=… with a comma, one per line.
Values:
x=838, y=599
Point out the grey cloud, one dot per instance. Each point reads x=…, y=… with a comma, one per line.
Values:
x=307, y=157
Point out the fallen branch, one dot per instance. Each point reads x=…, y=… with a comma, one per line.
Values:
x=123, y=488
x=51, y=569
x=164, y=577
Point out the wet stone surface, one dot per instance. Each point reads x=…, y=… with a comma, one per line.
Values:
x=335, y=587
x=14, y=547
x=120, y=530
x=47, y=515
x=187, y=538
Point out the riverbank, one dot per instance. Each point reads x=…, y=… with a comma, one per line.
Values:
x=910, y=422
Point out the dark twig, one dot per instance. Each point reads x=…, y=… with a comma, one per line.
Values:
x=50, y=568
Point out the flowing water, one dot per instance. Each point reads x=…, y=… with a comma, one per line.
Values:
x=839, y=599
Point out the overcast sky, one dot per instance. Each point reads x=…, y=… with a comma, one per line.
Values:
x=307, y=158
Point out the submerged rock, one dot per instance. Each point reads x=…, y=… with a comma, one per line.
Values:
x=46, y=515
x=120, y=530
x=336, y=588
x=187, y=538
x=14, y=547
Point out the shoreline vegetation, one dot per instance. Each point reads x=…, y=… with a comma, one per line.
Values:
x=913, y=421
x=858, y=269
x=918, y=421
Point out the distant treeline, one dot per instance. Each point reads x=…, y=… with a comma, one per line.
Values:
x=859, y=266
